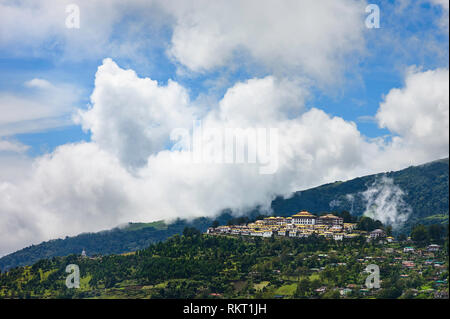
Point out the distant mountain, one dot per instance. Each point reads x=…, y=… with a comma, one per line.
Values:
x=425, y=188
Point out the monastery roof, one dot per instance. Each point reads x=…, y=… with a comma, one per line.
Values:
x=328, y=216
x=303, y=214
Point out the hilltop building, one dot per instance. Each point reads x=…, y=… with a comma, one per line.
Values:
x=330, y=219
x=275, y=221
x=304, y=218
x=300, y=225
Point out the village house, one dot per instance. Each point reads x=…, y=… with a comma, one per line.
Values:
x=408, y=249
x=433, y=247
x=377, y=233
x=408, y=264
x=344, y=291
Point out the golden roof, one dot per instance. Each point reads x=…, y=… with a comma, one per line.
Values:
x=328, y=216
x=303, y=214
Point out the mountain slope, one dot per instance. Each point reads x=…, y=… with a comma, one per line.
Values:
x=131, y=237
x=425, y=187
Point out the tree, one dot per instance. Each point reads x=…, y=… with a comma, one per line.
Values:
x=303, y=288
x=215, y=224
x=419, y=234
x=368, y=224
x=191, y=232
x=392, y=292
x=347, y=217
x=436, y=232
x=388, y=230
x=331, y=294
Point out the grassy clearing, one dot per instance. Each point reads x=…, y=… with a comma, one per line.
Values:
x=286, y=290
x=314, y=276
x=261, y=285
x=160, y=225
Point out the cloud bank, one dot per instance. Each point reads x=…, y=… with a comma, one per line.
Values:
x=205, y=35
x=128, y=171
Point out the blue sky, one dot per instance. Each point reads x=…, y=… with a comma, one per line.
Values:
x=381, y=68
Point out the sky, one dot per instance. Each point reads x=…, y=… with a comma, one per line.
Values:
x=92, y=94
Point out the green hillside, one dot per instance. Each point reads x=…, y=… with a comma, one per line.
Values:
x=206, y=266
x=119, y=240
x=425, y=187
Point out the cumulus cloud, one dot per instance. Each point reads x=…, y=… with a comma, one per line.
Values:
x=306, y=37
x=292, y=36
x=132, y=117
x=418, y=114
x=129, y=172
x=89, y=186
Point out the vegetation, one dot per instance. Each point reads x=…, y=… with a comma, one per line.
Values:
x=128, y=238
x=423, y=235
x=425, y=187
x=202, y=266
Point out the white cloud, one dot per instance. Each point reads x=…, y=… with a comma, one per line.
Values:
x=42, y=27
x=38, y=29
x=38, y=106
x=261, y=102
x=77, y=188
x=12, y=146
x=39, y=83
x=418, y=114
x=132, y=117
x=291, y=36
x=384, y=202
x=307, y=37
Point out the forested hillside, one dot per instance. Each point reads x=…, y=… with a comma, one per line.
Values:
x=132, y=237
x=425, y=187
x=205, y=266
